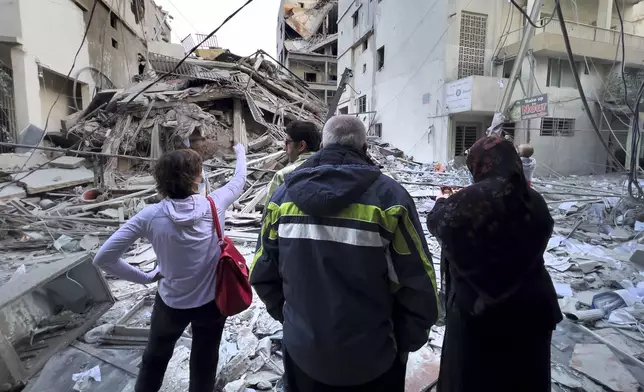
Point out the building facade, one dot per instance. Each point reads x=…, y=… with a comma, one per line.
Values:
x=39, y=41
x=428, y=77
x=307, y=43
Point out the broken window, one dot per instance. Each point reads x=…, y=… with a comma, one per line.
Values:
x=507, y=68
x=377, y=130
x=365, y=45
x=362, y=104
x=138, y=9
x=355, y=19
x=465, y=137
x=115, y=43
x=471, y=50
x=344, y=110
x=310, y=77
x=113, y=20
x=560, y=74
x=381, y=58
x=364, y=68
x=509, y=128
x=551, y=126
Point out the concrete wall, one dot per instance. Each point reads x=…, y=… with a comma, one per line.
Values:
x=109, y=52
x=118, y=64
x=581, y=153
x=10, y=27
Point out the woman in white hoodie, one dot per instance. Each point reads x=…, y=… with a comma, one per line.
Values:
x=181, y=231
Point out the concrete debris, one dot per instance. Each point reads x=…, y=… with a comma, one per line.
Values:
x=72, y=204
x=600, y=364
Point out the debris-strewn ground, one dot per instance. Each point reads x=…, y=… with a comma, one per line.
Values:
x=54, y=206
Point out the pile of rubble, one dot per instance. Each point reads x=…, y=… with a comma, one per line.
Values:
x=57, y=206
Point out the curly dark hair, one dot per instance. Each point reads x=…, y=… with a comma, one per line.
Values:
x=176, y=173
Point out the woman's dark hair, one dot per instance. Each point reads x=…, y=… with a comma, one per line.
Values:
x=176, y=172
x=304, y=131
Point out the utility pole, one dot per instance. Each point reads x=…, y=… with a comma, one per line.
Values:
x=346, y=75
x=528, y=33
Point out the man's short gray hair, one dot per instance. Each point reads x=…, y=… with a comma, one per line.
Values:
x=344, y=130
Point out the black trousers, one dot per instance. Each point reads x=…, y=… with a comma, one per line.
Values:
x=480, y=354
x=393, y=380
x=166, y=328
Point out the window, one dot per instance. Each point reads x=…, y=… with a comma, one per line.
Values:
x=507, y=69
x=113, y=20
x=509, y=128
x=362, y=104
x=364, y=68
x=466, y=135
x=310, y=77
x=333, y=78
x=344, y=110
x=381, y=58
x=365, y=45
x=115, y=43
x=560, y=74
x=355, y=19
x=377, y=130
x=557, y=126
x=329, y=95
x=471, y=50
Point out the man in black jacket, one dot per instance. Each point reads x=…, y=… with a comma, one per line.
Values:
x=343, y=263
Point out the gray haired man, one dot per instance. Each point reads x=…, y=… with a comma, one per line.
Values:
x=342, y=262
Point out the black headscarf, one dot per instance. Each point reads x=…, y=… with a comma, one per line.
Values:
x=495, y=231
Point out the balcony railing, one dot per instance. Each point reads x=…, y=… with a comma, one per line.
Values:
x=582, y=31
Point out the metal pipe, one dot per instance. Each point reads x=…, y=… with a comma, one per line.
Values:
x=528, y=32
x=101, y=154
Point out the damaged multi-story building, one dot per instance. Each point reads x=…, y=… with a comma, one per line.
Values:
x=307, y=43
x=429, y=76
x=40, y=42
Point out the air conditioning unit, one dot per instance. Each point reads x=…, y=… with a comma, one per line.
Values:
x=44, y=307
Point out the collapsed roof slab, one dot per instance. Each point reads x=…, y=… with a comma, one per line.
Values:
x=306, y=21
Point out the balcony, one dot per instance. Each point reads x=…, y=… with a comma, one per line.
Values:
x=585, y=40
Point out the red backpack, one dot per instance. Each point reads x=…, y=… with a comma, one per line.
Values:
x=233, y=293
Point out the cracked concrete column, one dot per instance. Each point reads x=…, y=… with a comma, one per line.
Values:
x=26, y=86
x=604, y=20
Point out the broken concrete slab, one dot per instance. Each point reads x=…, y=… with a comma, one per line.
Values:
x=65, y=162
x=14, y=162
x=11, y=191
x=598, y=362
x=46, y=180
x=422, y=370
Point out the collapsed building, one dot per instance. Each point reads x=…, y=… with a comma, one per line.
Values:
x=59, y=200
x=307, y=43
x=66, y=326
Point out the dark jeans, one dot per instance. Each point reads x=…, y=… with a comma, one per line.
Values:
x=166, y=328
x=393, y=380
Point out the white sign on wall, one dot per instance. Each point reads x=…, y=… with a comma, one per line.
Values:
x=458, y=95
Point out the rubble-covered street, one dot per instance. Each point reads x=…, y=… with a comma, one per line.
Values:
x=595, y=249
x=65, y=326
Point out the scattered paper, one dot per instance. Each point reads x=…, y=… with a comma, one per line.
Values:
x=83, y=379
x=563, y=289
x=639, y=226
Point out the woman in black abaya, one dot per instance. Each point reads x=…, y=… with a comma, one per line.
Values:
x=500, y=302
